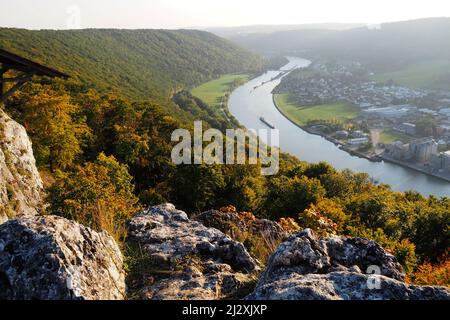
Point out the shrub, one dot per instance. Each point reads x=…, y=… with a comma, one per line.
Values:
x=436, y=275
x=289, y=225
x=98, y=195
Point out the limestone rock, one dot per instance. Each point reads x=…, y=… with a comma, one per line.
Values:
x=199, y=262
x=308, y=268
x=20, y=182
x=52, y=258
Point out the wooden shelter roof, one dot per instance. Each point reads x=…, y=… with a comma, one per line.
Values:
x=27, y=70
x=16, y=62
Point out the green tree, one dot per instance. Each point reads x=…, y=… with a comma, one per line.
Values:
x=426, y=126
x=51, y=121
x=432, y=232
x=287, y=197
x=196, y=188
x=98, y=195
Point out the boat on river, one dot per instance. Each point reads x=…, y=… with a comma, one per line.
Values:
x=267, y=123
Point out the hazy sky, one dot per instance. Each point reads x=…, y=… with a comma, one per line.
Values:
x=63, y=14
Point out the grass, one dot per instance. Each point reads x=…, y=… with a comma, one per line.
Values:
x=213, y=91
x=428, y=74
x=301, y=115
x=388, y=137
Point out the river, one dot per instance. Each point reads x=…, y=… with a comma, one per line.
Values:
x=248, y=104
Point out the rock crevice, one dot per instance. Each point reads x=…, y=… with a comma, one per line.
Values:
x=210, y=264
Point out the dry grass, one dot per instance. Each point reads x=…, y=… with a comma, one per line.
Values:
x=260, y=246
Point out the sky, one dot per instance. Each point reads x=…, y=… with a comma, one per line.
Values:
x=173, y=14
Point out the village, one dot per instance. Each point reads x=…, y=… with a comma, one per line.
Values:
x=410, y=127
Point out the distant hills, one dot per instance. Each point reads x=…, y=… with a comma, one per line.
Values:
x=230, y=32
x=387, y=47
x=143, y=64
x=139, y=64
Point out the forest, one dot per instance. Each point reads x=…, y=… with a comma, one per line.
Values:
x=102, y=144
x=137, y=64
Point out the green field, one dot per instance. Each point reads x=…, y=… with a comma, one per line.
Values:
x=427, y=74
x=213, y=91
x=301, y=115
x=388, y=137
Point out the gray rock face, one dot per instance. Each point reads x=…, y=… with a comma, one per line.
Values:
x=52, y=258
x=203, y=262
x=20, y=182
x=307, y=268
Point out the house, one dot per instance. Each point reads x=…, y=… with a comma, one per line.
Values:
x=398, y=151
x=358, y=141
x=422, y=149
x=428, y=111
x=388, y=112
x=441, y=161
x=340, y=135
x=408, y=128
x=365, y=105
x=445, y=112
x=359, y=134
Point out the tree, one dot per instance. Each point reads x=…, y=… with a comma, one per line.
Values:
x=197, y=187
x=426, y=126
x=51, y=121
x=245, y=187
x=287, y=197
x=98, y=195
x=432, y=232
x=316, y=170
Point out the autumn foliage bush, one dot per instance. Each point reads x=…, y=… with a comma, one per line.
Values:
x=437, y=274
x=98, y=195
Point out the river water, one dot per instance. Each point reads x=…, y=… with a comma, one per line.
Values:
x=248, y=104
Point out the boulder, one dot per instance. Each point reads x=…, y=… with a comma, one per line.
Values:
x=190, y=261
x=52, y=258
x=308, y=268
x=20, y=182
x=228, y=221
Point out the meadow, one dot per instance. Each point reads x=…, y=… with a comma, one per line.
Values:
x=213, y=92
x=302, y=114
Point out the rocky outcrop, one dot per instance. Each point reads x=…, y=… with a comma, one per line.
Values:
x=52, y=258
x=190, y=260
x=228, y=220
x=308, y=268
x=20, y=182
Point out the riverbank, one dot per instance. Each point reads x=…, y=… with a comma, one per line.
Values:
x=416, y=167
x=359, y=154
x=356, y=153
x=302, y=115
x=215, y=93
x=249, y=105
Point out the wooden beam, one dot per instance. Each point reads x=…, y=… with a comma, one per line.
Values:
x=11, y=91
x=24, y=78
x=18, y=80
x=5, y=67
x=25, y=65
x=2, y=72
